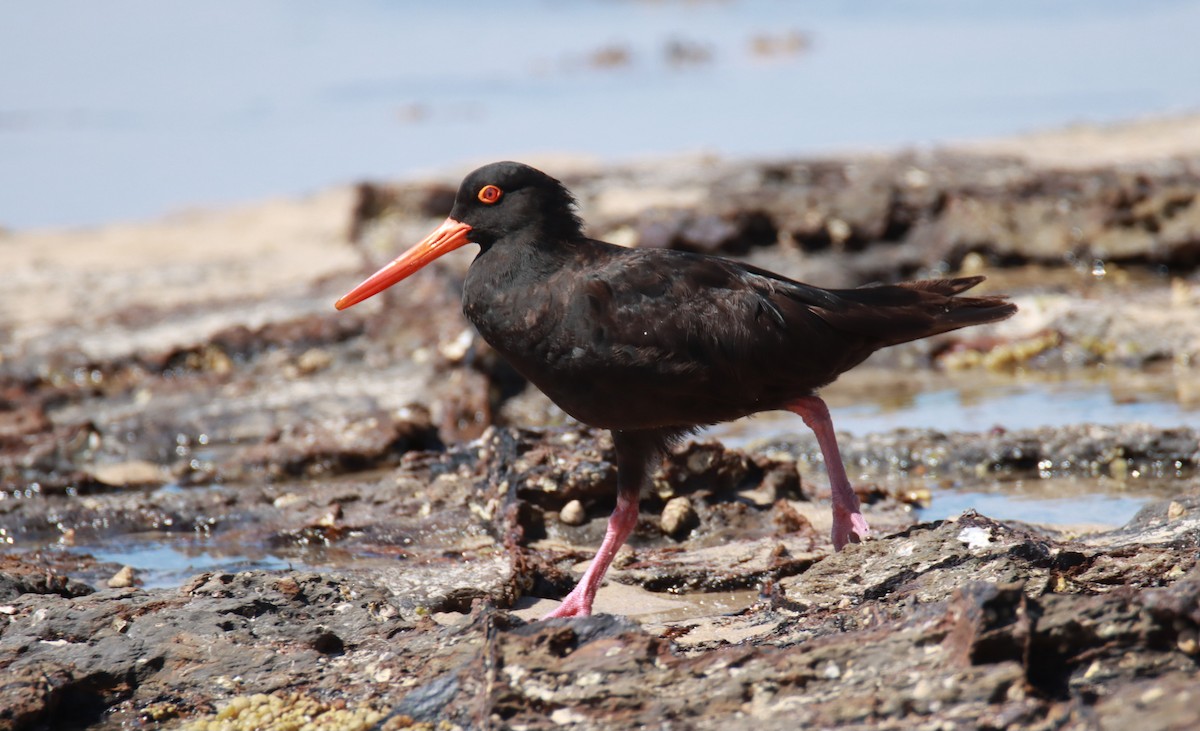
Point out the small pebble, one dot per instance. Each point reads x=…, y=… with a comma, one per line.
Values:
x=973, y=263
x=313, y=360
x=1187, y=642
x=572, y=513
x=1151, y=696
x=1175, y=510
x=455, y=350
x=287, y=500
x=126, y=474
x=839, y=231
x=1118, y=468
x=123, y=579
x=331, y=518
x=678, y=517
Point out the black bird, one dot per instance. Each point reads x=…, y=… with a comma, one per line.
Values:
x=652, y=344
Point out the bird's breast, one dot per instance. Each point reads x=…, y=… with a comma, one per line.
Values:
x=518, y=316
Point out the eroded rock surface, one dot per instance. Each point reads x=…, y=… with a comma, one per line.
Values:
x=381, y=461
x=971, y=623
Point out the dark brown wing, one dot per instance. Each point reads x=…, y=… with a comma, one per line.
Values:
x=652, y=339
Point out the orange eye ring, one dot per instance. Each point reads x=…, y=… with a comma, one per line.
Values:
x=489, y=194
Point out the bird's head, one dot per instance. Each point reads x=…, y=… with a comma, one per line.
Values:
x=495, y=202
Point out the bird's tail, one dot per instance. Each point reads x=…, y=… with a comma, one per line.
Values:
x=916, y=310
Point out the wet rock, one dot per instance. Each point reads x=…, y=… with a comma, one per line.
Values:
x=523, y=522
x=224, y=349
x=20, y=575
x=788, y=520
x=683, y=53
x=23, y=415
x=548, y=475
x=1126, y=451
x=378, y=448
x=50, y=460
x=1156, y=703
x=913, y=212
x=708, y=469
x=957, y=621
x=464, y=405
x=109, y=646
x=138, y=473
x=1155, y=525
x=741, y=565
x=977, y=650
x=453, y=586
x=338, y=445
x=428, y=701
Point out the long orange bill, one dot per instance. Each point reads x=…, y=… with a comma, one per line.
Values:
x=444, y=239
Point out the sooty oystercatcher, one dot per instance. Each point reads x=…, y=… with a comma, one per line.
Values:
x=652, y=344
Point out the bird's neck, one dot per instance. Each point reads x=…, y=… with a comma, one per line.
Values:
x=528, y=255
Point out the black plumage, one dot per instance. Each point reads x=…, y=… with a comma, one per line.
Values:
x=653, y=344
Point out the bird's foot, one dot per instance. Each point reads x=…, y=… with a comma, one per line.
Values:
x=848, y=527
x=575, y=605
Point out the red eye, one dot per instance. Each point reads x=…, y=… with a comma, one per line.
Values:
x=489, y=194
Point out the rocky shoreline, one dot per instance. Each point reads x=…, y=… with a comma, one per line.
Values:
x=189, y=381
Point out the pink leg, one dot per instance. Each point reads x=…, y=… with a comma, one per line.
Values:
x=849, y=525
x=579, y=602
x=637, y=454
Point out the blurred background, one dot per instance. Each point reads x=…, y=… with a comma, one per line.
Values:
x=131, y=109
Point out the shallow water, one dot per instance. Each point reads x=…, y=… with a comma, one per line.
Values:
x=873, y=401
x=129, y=109
x=170, y=559
x=868, y=401
x=1100, y=506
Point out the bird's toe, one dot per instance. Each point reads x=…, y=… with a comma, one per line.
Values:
x=572, y=606
x=849, y=528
